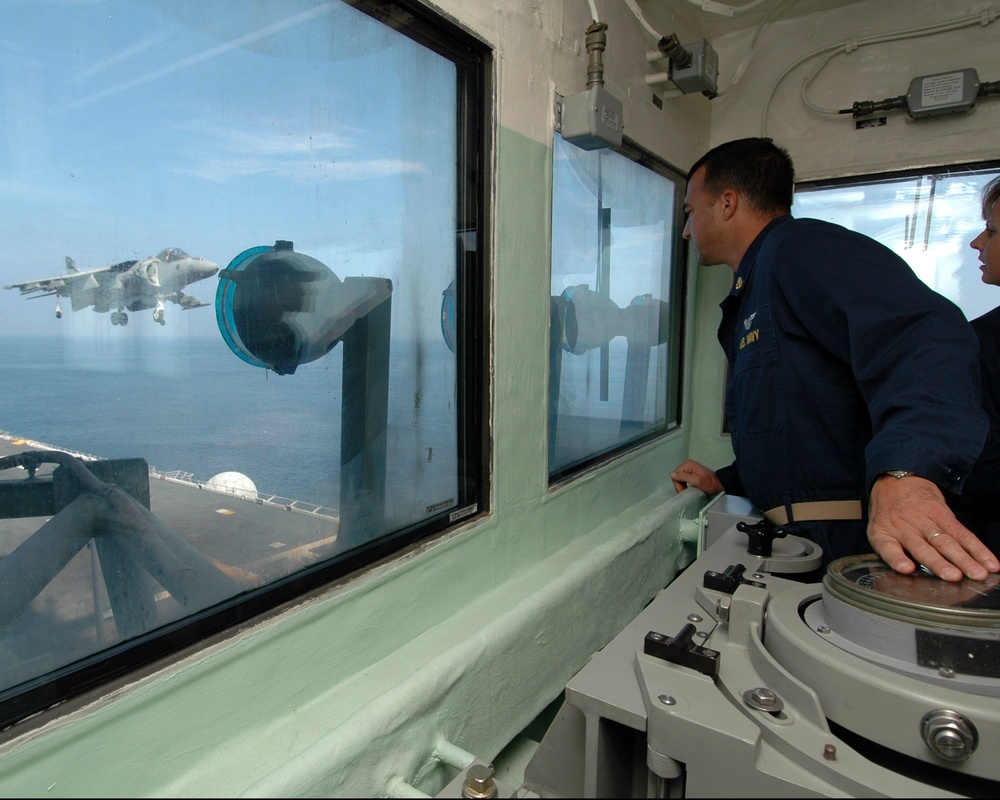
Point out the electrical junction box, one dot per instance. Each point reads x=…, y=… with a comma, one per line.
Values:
x=702, y=74
x=592, y=119
x=944, y=93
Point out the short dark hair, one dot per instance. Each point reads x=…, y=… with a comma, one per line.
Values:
x=757, y=168
x=991, y=194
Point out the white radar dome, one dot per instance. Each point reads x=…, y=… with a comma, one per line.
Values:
x=234, y=483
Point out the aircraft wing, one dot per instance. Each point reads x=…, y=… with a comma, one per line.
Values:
x=63, y=284
x=46, y=286
x=186, y=301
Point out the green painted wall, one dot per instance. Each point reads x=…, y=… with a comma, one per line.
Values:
x=463, y=640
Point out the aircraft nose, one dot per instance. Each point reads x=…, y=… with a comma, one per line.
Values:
x=207, y=268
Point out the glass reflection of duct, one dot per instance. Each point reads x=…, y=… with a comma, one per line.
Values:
x=279, y=309
x=583, y=320
x=449, y=316
x=466, y=261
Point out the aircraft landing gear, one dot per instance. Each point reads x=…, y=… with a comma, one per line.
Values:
x=119, y=318
x=158, y=314
x=58, y=311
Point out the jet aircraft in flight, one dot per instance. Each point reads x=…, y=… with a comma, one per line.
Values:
x=126, y=286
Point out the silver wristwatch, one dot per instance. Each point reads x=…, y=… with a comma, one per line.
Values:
x=896, y=473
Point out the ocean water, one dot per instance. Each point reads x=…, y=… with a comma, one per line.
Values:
x=190, y=405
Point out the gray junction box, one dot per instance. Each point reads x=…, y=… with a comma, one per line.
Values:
x=943, y=93
x=592, y=119
x=702, y=74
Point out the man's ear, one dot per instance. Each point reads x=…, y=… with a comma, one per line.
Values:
x=730, y=203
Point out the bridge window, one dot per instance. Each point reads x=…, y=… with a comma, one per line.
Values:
x=293, y=387
x=616, y=303
x=927, y=217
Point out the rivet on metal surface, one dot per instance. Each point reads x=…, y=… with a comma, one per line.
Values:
x=824, y=629
x=701, y=634
x=666, y=699
x=946, y=672
x=758, y=576
x=830, y=752
x=694, y=618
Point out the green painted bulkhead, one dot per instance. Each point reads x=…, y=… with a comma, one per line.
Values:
x=364, y=688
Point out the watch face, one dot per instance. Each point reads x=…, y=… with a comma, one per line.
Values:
x=896, y=473
x=868, y=583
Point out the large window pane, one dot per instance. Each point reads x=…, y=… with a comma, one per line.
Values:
x=616, y=304
x=238, y=239
x=928, y=218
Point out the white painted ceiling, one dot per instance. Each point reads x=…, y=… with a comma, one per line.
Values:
x=666, y=14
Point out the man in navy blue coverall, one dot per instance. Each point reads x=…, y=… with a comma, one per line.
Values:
x=853, y=397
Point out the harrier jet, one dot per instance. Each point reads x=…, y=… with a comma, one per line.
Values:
x=126, y=286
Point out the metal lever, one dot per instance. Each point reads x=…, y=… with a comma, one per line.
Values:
x=682, y=651
x=761, y=535
x=728, y=581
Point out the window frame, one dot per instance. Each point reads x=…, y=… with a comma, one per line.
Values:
x=677, y=281
x=894, y=175
x=473, y=61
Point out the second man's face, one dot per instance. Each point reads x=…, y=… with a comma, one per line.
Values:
x=989, y=248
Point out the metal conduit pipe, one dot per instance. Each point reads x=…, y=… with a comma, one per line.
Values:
x=443, y=752
x=597, y=41
x=451, y=754
x=988, y=87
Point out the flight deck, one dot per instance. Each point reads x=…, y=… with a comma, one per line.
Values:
x=63, y=602
x=270, y=527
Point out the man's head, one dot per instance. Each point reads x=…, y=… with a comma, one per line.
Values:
x=734, y=190
x=991, y=197
x=986, y=243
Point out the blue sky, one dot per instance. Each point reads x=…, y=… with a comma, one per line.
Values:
x=128, y=127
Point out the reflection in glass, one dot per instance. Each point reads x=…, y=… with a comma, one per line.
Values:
x=131, y=125
x=614, y=354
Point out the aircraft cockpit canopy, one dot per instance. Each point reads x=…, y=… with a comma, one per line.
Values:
x=172, y=254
